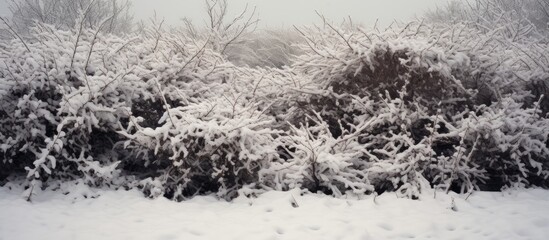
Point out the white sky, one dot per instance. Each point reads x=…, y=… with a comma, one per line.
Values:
x=276, y=13
x=3, y=8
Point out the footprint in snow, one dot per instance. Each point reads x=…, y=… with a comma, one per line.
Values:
x=196, y=233
x=314, y=227
x=522, y=233
x=168, y=237
x=385, y=226
x=541, y=223
x=407, y=235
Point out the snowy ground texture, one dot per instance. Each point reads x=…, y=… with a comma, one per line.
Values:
x=516, y=214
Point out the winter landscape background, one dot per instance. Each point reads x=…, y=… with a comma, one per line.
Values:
x=432, y=125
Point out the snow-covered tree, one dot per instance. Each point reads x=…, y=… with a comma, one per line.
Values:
x=65, y=14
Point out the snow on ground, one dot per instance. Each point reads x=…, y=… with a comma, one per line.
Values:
x=119, y=215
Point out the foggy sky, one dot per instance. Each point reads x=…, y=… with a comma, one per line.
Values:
x=3, y=8
x=277, y=13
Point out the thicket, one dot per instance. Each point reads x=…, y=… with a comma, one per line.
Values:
x=344, y=111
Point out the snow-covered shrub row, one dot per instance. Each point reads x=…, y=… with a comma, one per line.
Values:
x=391, y=110
x=356, y=112
x=74, y=103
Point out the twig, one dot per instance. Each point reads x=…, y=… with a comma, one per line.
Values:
x=13, y=32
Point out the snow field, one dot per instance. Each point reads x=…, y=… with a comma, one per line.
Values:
x=517, y=214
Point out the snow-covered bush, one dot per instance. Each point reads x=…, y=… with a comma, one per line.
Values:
x=509, y=142
x=66, y=96
x=215, y=146
x=63, y=97
x=212, y=133
x=414, y=104
x=372, y=151
x=312, y=158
